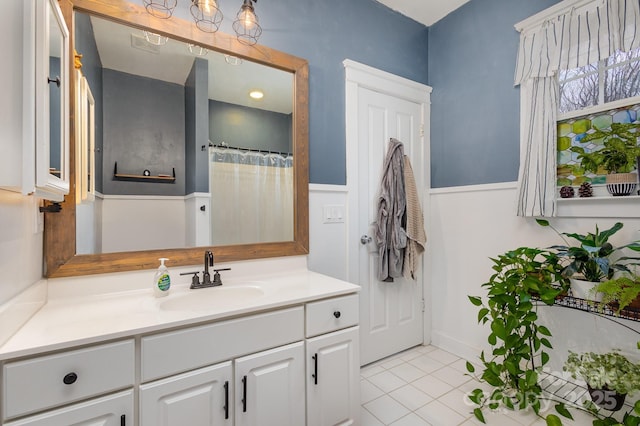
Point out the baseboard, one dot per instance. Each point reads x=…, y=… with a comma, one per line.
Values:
x=456, y=347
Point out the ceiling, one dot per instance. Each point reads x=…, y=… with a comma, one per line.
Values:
x=426, y=12
x=127, y=50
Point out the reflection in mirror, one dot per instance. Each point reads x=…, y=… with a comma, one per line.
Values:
x=184, y=157
x=55, y=98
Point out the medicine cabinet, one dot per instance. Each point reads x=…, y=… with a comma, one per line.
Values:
x=41, y=166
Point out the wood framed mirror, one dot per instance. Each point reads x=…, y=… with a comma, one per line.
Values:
x=60, y=245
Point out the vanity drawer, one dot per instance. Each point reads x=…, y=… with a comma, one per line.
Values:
x=43, y=382
x=332, y=314
x=183, y=350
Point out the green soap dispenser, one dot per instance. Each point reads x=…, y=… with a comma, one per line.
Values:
x=162, y=279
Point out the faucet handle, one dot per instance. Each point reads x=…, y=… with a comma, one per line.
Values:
x=216, y=276
x=195, y=279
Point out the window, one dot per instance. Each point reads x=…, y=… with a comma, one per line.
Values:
x=609, y=80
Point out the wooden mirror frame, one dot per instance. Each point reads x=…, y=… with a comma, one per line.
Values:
x=60, y=255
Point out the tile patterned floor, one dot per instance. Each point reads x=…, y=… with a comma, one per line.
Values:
x=426, y=386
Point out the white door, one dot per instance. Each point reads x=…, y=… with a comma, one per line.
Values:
x=270, y=387
x=333, y=371
x=391, y=313
x=197, y=398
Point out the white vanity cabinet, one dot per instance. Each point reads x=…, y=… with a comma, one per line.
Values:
x=198, y=398
x=270, y=387
x=244, y=371
x=37, y=159
x=111, y=410
x=333, y=362
x=292, y=365
x=47, y=382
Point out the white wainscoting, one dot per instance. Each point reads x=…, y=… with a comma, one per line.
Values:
x=140, y=222
x=471, y=224
x=327, y=241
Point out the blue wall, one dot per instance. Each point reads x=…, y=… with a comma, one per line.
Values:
x=325, y=33
x=475, y=108
x=85, y=44
x=246, y=127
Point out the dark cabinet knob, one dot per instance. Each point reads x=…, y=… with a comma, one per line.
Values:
x=70, y=378
x=337, y=314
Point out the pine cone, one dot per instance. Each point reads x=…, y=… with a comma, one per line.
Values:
x=585, y=190
x=567, y=192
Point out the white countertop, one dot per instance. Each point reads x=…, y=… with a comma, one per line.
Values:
x=76, y=319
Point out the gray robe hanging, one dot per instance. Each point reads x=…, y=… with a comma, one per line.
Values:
x=390, y=235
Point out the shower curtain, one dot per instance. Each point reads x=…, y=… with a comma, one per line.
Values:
x=251, y=196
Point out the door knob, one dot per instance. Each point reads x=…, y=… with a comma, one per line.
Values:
x=365, y=239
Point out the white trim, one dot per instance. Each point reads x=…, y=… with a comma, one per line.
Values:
x=474, y=188
x=197, y=195
x=550, y=12
x=600, y=108
x=317, y=187
x=144, y=197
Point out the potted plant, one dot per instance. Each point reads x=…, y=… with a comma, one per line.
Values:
x=594, y=260
x=618, y=156
x=620, y=292
x=609, y=376
x=518, y=342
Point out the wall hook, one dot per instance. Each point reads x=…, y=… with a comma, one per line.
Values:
x=51, y=208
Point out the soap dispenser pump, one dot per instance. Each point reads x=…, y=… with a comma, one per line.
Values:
x=162, y=279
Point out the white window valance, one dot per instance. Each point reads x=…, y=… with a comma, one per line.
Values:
x=581, y=35
x=571, y=34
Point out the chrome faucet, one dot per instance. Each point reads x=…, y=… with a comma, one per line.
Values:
x=208, y=261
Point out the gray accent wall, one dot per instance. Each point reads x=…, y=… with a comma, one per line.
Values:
x=326, y=33
x=197, y=128
x=144, y=128
x=245, y=127
x=475, y=108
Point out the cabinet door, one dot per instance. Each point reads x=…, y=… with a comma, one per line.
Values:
x=270, y=387
x=112, y=410
x=197, y=398
x=333, y=379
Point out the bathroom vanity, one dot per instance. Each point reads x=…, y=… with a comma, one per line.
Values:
x=280, y=348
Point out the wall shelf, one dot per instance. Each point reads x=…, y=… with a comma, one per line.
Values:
x=142, y=178
x=597, y=308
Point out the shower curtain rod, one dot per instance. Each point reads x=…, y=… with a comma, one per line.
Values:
x=249, y=149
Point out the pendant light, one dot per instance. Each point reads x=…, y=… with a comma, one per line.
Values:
x=206, y=14
x=246, y=24
x=208, y=17
x=160, y=8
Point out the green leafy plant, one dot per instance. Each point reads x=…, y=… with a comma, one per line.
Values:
x=619, y=152
x=518, y=342
x=611, y=370
x=621, y=290
x=593, y=260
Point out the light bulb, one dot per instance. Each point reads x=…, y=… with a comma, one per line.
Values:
x=206, y=6
x=248, y=19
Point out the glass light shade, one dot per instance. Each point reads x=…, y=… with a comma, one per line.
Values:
x=256, y=94
x=246, y=25
x=206, y=14
x=155, y=39
x=160, y=8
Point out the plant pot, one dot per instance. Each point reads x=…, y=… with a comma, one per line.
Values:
x=607, y=399
x=582, y=290
x=621, y=184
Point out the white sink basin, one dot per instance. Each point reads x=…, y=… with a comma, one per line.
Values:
x=212, y=298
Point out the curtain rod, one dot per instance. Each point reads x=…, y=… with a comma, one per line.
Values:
x=265, y=151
